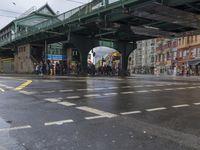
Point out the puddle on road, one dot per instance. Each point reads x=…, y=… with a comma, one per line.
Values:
x=6, y=141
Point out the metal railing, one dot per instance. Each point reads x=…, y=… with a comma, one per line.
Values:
x=65, y=18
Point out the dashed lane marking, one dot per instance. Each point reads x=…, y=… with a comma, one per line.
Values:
x=2, y=90
x=97, y=112
x=112, y=88
x=52, y=100
x=179, y=106
x=15, y=128
x=109, y=94
x=94, y=117
x=131, y=112
x=168, y=89
x=48, y=92
x=129, y=92
x=193, y=87
x=27, y=93
x=23, y=85
x=92, y=95
x=66, y=103
x=180, y=88
x=58, y=122
x=156, y=90
x=196, y=103
x=63, y=91
x=156, y=109
x=73, y=97
x=144, y=91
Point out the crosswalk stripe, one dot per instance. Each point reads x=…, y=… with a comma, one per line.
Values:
x=62, y=91
x=94, y=117
x=196, y=103
x=129, y=92
x=108, y=94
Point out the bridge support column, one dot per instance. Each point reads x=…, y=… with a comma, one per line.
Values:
x=83, y=45
x=125, y=48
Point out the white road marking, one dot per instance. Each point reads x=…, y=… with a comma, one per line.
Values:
x=180, y=88
x=156, y=90
x=99, y=88
x=124, y=87
x=130, y=112
x=191, y=87
x=73, y=97
x=94, y=117
x=148, y=85
x=156, y=109
x=16, y=128
x=9, y=87
x=97, y=112
x=47, y=92
x=108, y=94
x=92, y=95
x=138, y=86
x=112, y=88
x=168, y=89
x=2, y=90
x=58, y=122
x=63, y=91
x=129, y=92
x=144, y=91
x=178, y=106
x=27, y=92
x=66, y=103
x=53, y=100
x=196, y=103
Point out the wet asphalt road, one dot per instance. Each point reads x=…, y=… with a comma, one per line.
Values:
x=99, y=114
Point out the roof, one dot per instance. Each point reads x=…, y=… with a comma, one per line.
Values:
x=45, y=10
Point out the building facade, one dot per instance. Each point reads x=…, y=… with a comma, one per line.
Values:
x=142, y=59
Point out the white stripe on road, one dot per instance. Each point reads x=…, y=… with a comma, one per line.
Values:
x=191, y=87
x=15, y=128
x=27, y=93
x=2, y=90
x=92, y=95
x=156, y=109
x=144, y=91
x=124, y=87
x=48, y=92
x=109, y=94
x=156, y=90
x=97, y=112
x=112, y=88
x=180, y=88
x=196, y=103
x=130, y=112
x=63, y=91
x=99, y=88
x=94, y=117
x=178, y=106
x=73, y=97
x=53, y=100
x=168, y=89
x=58, y=122
x=129, y=92
x=66, y=104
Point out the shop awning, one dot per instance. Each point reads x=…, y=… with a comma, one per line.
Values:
x=194, y=62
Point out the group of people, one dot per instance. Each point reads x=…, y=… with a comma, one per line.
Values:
x=105, y=70
x=50, y=68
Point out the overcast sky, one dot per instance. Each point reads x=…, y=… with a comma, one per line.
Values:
x=9, y=9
